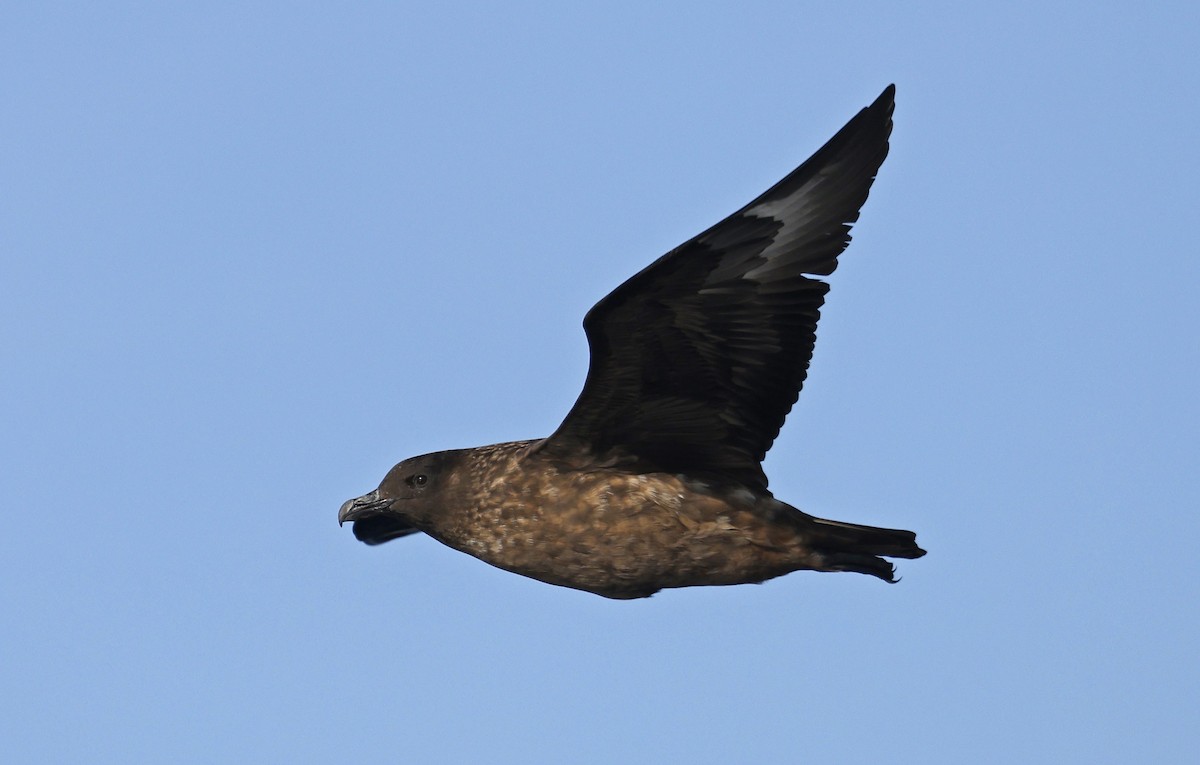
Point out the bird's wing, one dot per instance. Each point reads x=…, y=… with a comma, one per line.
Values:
x=377, y=529
x=697, y=359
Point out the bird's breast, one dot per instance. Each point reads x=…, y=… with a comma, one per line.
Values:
x=620, y=534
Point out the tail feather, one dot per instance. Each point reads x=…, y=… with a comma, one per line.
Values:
x=852, y=537
x=852, y=547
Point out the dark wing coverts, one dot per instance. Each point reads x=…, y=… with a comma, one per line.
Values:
x=697, y=359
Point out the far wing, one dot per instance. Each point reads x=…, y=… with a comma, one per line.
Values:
x=697, y=359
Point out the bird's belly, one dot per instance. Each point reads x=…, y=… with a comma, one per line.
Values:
x=632, y=545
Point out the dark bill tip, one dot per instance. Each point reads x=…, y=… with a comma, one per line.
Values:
x=363, y=507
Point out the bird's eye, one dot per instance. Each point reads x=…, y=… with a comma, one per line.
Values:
x=420, y=479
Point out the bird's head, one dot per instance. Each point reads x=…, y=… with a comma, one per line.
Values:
x=405, y=502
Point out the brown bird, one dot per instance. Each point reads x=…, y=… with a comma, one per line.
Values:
x=654, y=479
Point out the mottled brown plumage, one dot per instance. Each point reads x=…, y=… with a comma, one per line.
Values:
x=654, y=479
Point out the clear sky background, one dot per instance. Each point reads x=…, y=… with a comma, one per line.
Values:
x=251, y=255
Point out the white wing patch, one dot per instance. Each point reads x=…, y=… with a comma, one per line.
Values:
x=791, y=214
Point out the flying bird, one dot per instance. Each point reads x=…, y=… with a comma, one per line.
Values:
x=655, y=478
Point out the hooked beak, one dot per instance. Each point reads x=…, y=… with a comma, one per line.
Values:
x=364, y=507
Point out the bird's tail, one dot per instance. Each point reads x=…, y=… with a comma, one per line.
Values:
x=851, y=547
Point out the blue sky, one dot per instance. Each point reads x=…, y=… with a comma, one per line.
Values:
x=251, y=256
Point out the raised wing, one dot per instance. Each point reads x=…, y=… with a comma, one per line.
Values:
x=697, y=359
